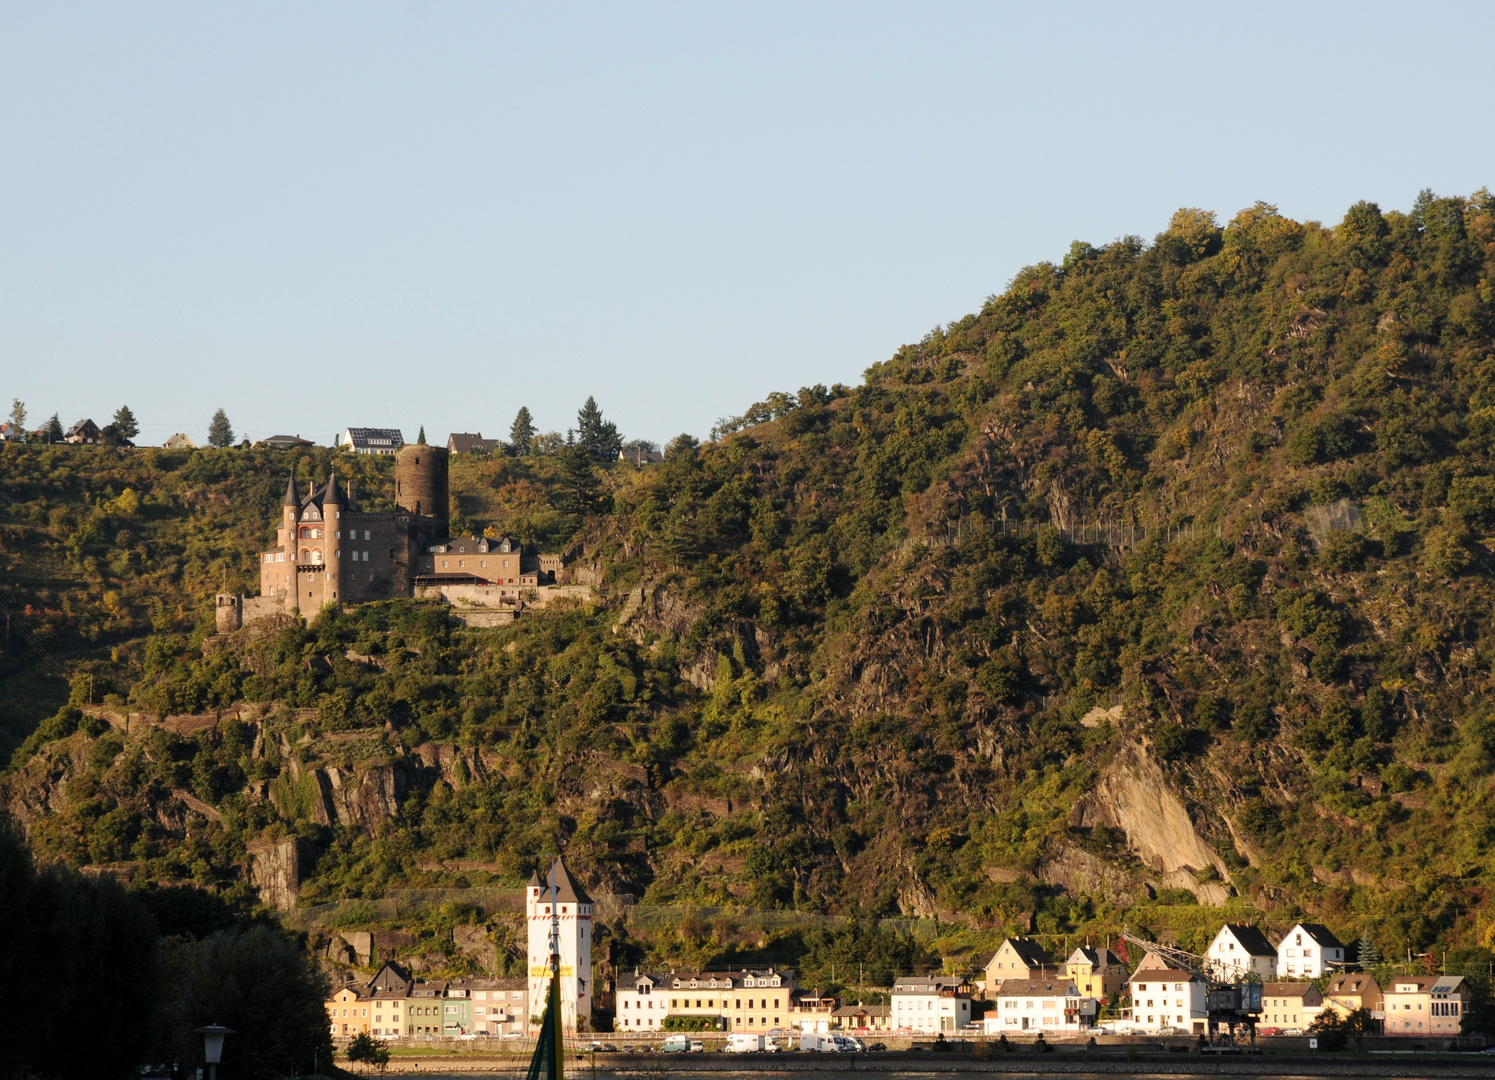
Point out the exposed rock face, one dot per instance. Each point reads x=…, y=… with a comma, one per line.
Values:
x=1132, y=795
x=473, y=941
x=275, y=871
x=366, y=798
x=1079, y=872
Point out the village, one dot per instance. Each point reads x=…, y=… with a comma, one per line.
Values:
x=1018, y=992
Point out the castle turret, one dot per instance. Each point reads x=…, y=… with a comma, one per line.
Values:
x=557, y=904
x=332, y=513
x=421, y=484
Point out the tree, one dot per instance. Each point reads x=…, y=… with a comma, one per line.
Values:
x=220, y=431
x=55, y=434
x=123, y=430
x=1366, y=953
x=369, y=1051
x=521, y=432
x=598, y=437
x=420, y=440
x=257, y=980
x=578, y=491
x=18, y=420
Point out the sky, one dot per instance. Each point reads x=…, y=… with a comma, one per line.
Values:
x=420, y=214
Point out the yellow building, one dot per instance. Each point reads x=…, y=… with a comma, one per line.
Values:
x=348, y=1012
x=1097, y=973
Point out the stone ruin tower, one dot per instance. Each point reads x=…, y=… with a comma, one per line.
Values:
x=421, y=484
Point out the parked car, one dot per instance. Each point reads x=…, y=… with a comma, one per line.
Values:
x=697, y=1046
x=876, y=1047
x=1269, y=1031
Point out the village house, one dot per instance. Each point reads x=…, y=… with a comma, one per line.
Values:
x=1239, y=949
x=389, y=992
x=348, y=1012
x=179, y=441
x=370, y=440
x=931, y=1004
x=639, y=1007
x=1425, y=1005
x=1097, y=973
x=283, y=442
x=499, y=1006
x=1356, y=990
x=84, y=433
x=1167, y=999
x=863, y=1019
x=462, y=443
x=1290, y=1004
x=811, y=1011
x=1047, y=1003
x=1308, y=950
x=1017, y=958
x=424, y=1009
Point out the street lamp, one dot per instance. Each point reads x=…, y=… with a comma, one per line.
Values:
x=212, y=1046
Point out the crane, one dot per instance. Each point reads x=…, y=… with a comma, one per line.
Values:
x=1231, y=999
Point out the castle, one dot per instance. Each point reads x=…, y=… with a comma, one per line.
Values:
x=572, y=919
x=329, y=551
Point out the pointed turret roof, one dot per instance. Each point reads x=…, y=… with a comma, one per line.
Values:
x=330, y=495
x=290, y=499
x=566, y=890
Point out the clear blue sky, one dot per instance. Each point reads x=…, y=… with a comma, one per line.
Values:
x=323, y=214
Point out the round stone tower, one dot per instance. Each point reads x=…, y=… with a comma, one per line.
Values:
x=421, y=485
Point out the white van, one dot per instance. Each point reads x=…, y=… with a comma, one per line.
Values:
x=746, y=1044
x=826, y=1044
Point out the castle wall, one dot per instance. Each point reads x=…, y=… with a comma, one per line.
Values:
x=379, y=551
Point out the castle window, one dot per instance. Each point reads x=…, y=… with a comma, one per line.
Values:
x=367, y=535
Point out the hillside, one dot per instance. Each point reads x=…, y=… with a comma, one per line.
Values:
x=1160, y=584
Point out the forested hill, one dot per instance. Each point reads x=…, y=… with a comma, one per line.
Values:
x=1164, y=581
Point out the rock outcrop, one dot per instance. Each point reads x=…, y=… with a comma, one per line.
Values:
x=276, y=869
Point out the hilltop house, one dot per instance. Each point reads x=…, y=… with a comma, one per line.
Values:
x=84, y=433
x=931, y=1004
x=1168, y=999
x=1017, y=958
x=1239, y=949
x=1308, y=950
x=1097, y=973
x=462, y=443
x=1290, y=1004
x=1426, y=1005
x=179, y=441
x=1047, y=1003
x=370, y=440
x=283, y=442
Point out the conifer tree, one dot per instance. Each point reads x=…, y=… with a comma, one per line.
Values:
x=1366, y=952
x=55, y=434
x=18, y=420
x=522, y=433
x=421, y=438
x=598, y=437
x=220, y=431
x=123, y=430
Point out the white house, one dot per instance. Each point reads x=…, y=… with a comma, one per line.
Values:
x=1239, y=949
x=1168, y=998
x=573, y=916
x=1046, y=1003
x=1307, y=951
x=640, y=1006
x=931, y=1004
x=369, y=440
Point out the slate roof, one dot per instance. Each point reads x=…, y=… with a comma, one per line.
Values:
x=1030, y=952
x=1035, y=987
x=1251, y=939
x=459, y=442
x=1322, y=936
x=566, y=890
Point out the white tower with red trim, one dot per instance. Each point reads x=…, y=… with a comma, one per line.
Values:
x=573, y=918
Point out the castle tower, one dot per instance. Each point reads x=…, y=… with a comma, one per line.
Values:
x=332, y=514
x=289, y=518
x=421, y=484
x=573, y=914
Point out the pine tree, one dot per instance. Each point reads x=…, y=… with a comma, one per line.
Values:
x=55, y=434
x=577, y=489
x=421, y=438
x=123, y=430
x=1367, y=953
x=522, y=433
x=598, y=437
x=220, y=431
x=18, y=420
